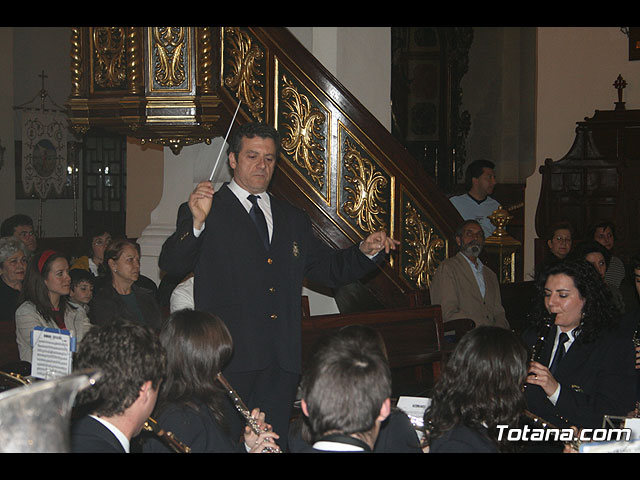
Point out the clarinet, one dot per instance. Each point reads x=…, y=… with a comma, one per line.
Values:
x=536, y=351
x=244, y=411
x=538, y=346
x=538, y=421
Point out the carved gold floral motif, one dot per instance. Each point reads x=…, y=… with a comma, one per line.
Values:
x=169, y=47
x=421, y=248
x=364, y=191
x=245, y=70
x=76, y=62
x=109, y=51
x=302, y=136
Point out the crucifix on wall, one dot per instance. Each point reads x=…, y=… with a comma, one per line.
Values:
x=620, y=85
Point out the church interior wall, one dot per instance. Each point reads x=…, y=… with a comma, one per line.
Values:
x=544, y=80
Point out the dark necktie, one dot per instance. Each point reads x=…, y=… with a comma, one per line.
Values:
x=560, y=351
x=258, y=217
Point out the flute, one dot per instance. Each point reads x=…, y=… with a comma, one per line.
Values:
x=251, y=422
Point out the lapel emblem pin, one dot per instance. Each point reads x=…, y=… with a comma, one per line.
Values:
x=296, y=250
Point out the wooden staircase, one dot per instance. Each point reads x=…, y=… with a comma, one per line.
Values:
x=339, y=163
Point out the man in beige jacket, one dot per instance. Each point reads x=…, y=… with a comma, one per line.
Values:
x=466, y=288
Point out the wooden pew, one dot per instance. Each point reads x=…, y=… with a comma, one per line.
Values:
x=8, y=345
x=414, y=338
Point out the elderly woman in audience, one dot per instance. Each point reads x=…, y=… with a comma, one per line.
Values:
x=13, y=265
x=480, y=389
x=43, y=301
x=192, y=404
x=605, y=234
x=120, y=299
x=585, y=364
x=559, y=238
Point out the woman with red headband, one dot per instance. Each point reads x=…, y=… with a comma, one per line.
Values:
x=43, y=301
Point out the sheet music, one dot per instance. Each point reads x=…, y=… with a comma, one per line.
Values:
x=415, y=407
x=52, y=350
x=611, y=447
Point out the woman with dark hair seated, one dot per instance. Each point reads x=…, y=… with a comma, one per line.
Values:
x=191, y=403
x=13, y=265
x=120, y=299
x=480, y=389
x=592, y=374
x=559, y=239
x=599, y=257
x=43, y=301
x=605, y=234
x=97, y=240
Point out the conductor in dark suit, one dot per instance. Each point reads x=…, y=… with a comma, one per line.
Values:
x=249, y=252
x=111, y=413
x=585, y=368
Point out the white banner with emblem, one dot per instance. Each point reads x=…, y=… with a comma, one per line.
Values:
x=44, y=152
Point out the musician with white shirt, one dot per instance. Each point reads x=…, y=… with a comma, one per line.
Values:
x=345, y=395
x=112, y=412
x=586, y=367
x=249, y=263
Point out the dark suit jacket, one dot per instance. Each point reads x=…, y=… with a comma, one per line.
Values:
x=462, y=439
x=256, y=292
x=397, y=435
x=107, y=307
x=596, y=379
x=195, y=427
x=90, y=436
x=629, y=324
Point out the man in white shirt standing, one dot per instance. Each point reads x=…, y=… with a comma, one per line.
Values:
x=113, y=411
x=466, y=288
x=477, y=204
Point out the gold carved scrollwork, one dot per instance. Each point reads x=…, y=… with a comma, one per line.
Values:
x=245, y=70
x=364, y=191
x=206, y=60
x=76, y=62
x=421, y=248
x=110, y=63
x=169, y=45
x=133, y=47
x=302, y=136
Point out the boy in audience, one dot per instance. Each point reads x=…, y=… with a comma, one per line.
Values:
x=81, y=290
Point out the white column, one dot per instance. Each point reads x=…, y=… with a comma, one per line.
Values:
x=182, y=172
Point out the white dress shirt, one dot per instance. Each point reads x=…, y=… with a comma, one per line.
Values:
x=554, y=397
x=478, y=273
x=264, y=202
x=124, y=441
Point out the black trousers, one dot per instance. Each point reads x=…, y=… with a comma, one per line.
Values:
x=273, y=391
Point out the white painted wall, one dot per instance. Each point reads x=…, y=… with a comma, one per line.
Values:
x=576, y=69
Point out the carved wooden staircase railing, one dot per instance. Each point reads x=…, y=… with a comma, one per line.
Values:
x=337, y=161
x=181, y=85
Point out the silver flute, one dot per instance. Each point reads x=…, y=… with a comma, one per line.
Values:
x=251, y=422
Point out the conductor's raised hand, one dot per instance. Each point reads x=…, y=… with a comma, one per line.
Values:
x=376, y=242
x=200, y=203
